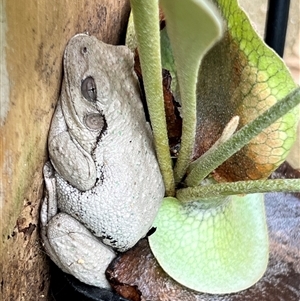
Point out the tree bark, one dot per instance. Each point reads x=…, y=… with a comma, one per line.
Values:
x=33, y=37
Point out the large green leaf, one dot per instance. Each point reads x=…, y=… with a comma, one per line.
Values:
x=215, y=156
x=215, y=248
x=242, y=76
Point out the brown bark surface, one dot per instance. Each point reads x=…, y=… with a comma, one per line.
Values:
x=33, y=37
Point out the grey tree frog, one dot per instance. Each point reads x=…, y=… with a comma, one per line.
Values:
x=103, y=186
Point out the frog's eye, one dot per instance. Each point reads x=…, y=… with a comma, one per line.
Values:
x=88, y=89
x=95, y=121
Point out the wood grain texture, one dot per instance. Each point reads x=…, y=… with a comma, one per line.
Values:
x=33, y=37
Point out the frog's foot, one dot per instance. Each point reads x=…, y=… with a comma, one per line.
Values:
x=48, y=209
x=76, y=251
x=49, y=203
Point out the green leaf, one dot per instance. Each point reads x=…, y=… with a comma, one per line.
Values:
x=219, y=247
x=193, y=27
x=131, y=41
x=168, y=63
x=212, y=159
x=242, y=76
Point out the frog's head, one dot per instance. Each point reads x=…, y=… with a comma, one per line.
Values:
x=98, y=77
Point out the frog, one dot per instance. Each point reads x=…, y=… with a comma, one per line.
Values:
x=103, y=185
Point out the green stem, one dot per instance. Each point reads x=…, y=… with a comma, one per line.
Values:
x=185, y=20
x=187, y=90
x=241, y=187
x=204, y=166
x=146, y=23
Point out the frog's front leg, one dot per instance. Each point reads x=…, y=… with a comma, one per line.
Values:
x=69, y=159
x=68, y=243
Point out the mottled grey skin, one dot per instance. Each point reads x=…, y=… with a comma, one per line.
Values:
x=103, y=179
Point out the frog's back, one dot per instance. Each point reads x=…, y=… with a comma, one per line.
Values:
x=120, y=209
x=122, y=204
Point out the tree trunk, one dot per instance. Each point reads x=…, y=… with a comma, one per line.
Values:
x=33, y=37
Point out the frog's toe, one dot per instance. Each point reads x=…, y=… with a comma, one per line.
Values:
x=78, y=251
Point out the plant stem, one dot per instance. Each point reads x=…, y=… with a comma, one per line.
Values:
x=241, y=187
x=193, y=27
x=146, y=23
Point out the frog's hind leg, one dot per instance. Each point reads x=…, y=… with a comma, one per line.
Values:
x=68, y=243
x=48, y=209
x=79, y=252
